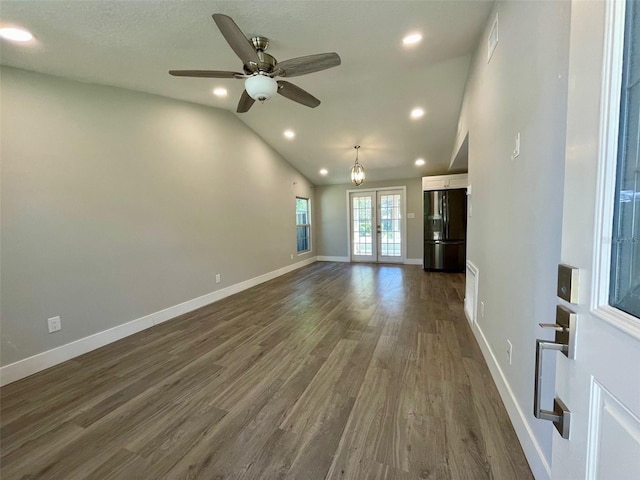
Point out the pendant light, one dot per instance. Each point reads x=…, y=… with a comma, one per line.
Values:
x=357, y=171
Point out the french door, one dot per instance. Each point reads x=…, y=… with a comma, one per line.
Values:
x=376, y=226
x=600, y=385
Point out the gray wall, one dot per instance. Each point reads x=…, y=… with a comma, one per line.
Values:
x=331, y=210
x=515, y=232
x=118, y=204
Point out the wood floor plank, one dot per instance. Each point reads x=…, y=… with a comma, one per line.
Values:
x=357, y=448
x=315, y=398
x=393, y=443
x=465, y=442
x=333, y=371
x=118, y=466
x=40, y=450
x=314, y=450
x=209, y=457
x=498, y=432
x=429, y=458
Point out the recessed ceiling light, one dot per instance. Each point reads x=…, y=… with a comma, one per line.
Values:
x=15, y=34
x=289, y=133
x=323, y=171
x=220, y=92
x=417, y=112
x=412, y=39
x=420, y=162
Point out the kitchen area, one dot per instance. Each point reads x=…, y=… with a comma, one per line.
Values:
x=445, y=222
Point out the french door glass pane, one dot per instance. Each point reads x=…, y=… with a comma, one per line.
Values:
x=362, y=231
x=390, y=239
x=625, y=253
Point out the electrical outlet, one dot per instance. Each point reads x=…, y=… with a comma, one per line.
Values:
x=54, y=324
x=482, y=309
x=509, y=351
x=292, y=256
x=218, y=278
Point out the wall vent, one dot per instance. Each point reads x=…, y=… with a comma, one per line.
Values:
x=471, y=293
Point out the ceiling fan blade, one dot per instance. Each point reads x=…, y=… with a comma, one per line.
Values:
x=205, y=73
x=236, y=39
x=295, y=93
x=309, y=64
x=245, y=102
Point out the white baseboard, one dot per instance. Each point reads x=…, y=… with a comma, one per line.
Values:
x=41, y=361
x=322, y=258
x=413, y=261
x=532, y=450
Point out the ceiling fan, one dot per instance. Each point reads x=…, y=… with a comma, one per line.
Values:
x=260, y=68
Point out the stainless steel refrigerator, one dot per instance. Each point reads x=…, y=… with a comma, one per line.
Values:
x=445, y=230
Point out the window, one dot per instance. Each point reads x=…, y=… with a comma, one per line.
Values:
x=303, y=224
x=624, y=292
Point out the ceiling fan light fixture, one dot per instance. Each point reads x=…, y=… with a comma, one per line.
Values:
x=357, y=171
x=261, y=87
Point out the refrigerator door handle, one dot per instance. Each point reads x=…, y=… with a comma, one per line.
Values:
x=445, y=214
x=445, y=242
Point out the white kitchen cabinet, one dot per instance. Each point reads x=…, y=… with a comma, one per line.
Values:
x=443, y=182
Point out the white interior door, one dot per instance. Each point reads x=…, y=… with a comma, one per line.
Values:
x=376, y=226
x=601, y=385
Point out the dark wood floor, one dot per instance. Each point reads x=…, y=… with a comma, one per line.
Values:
x=332, y=371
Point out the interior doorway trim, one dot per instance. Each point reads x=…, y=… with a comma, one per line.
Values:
x=403, y=206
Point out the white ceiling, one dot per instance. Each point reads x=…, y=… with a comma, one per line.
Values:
x=366, y=100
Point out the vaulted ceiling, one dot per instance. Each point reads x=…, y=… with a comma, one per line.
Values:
x=366, y=100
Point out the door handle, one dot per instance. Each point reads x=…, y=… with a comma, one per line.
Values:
x=560, y=415
x=564, y=342
x=553, y=326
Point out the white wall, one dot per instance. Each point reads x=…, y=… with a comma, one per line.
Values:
x=118, y=204
x=515, y=231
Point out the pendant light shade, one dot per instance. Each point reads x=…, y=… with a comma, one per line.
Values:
x=357, y=171
x=261, y=87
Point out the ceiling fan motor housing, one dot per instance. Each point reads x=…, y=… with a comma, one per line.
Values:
x=260, y=43
x=266, y=64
